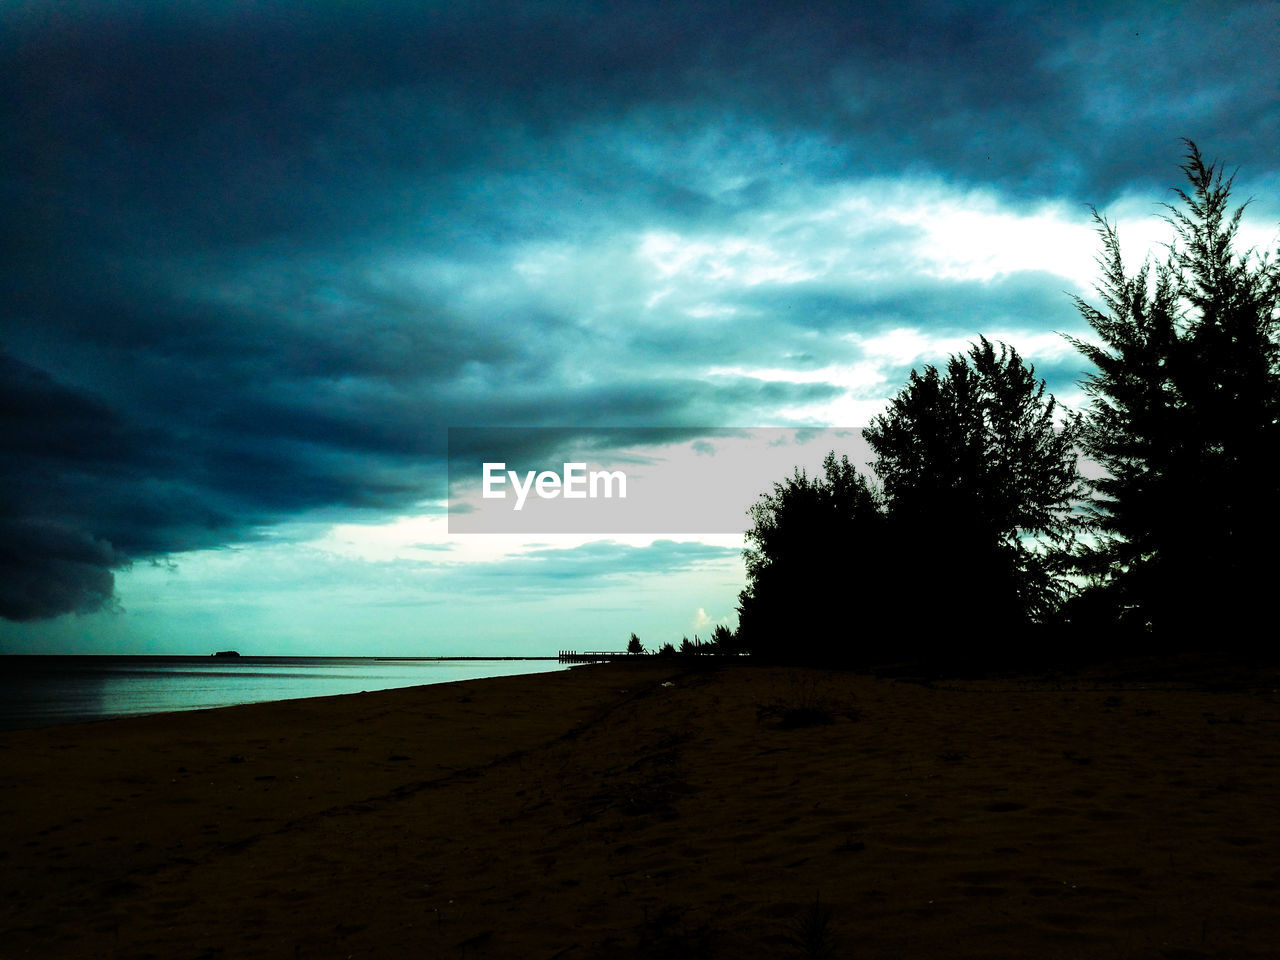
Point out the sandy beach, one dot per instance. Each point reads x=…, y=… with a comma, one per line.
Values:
x=654, y=811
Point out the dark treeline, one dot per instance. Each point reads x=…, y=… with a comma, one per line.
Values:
x=978, y=538
x=721, y=643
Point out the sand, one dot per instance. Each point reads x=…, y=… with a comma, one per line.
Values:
x=649, y=811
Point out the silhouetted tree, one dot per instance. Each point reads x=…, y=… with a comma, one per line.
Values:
x=634, y=645
x=1184, y=417
x=812, y=543
x=723, y=642
x=982, y=487
x=686, y=646
x=666, y=650
x=722, y=639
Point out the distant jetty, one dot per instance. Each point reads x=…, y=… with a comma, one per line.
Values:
x=226, y=653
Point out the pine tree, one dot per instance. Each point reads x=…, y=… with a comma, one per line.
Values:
x=1185, y=419
x=1136, y=430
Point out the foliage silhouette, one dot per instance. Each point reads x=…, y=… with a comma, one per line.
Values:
x=1184, y=417
x=979, y=507
x=634, y=645
x=982, y=504
x=813, y=541
x=982, y=486
x=722, y=640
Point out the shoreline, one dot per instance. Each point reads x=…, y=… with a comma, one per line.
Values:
x=592, y=813
x=41, y=691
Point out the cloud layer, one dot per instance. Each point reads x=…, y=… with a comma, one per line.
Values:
x=260, y=257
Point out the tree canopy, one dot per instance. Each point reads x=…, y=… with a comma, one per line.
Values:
x=813, y=541
x=1184, y=417
x=979, y=489
x=981, y=510
x=981, y=482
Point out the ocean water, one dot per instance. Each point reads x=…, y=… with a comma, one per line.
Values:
x=43, y=691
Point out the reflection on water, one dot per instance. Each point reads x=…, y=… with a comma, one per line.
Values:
x=40, y=691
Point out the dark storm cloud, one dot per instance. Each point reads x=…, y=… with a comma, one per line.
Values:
x=304, y=113
x=47, y=569
x=257, y=258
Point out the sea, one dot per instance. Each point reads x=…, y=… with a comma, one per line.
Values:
x=41, y=691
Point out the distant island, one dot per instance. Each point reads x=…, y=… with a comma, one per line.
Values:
x=226, y=653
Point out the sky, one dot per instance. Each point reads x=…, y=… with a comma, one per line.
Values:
x=260, y=257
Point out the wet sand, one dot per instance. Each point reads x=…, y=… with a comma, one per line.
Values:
x=601, y=813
